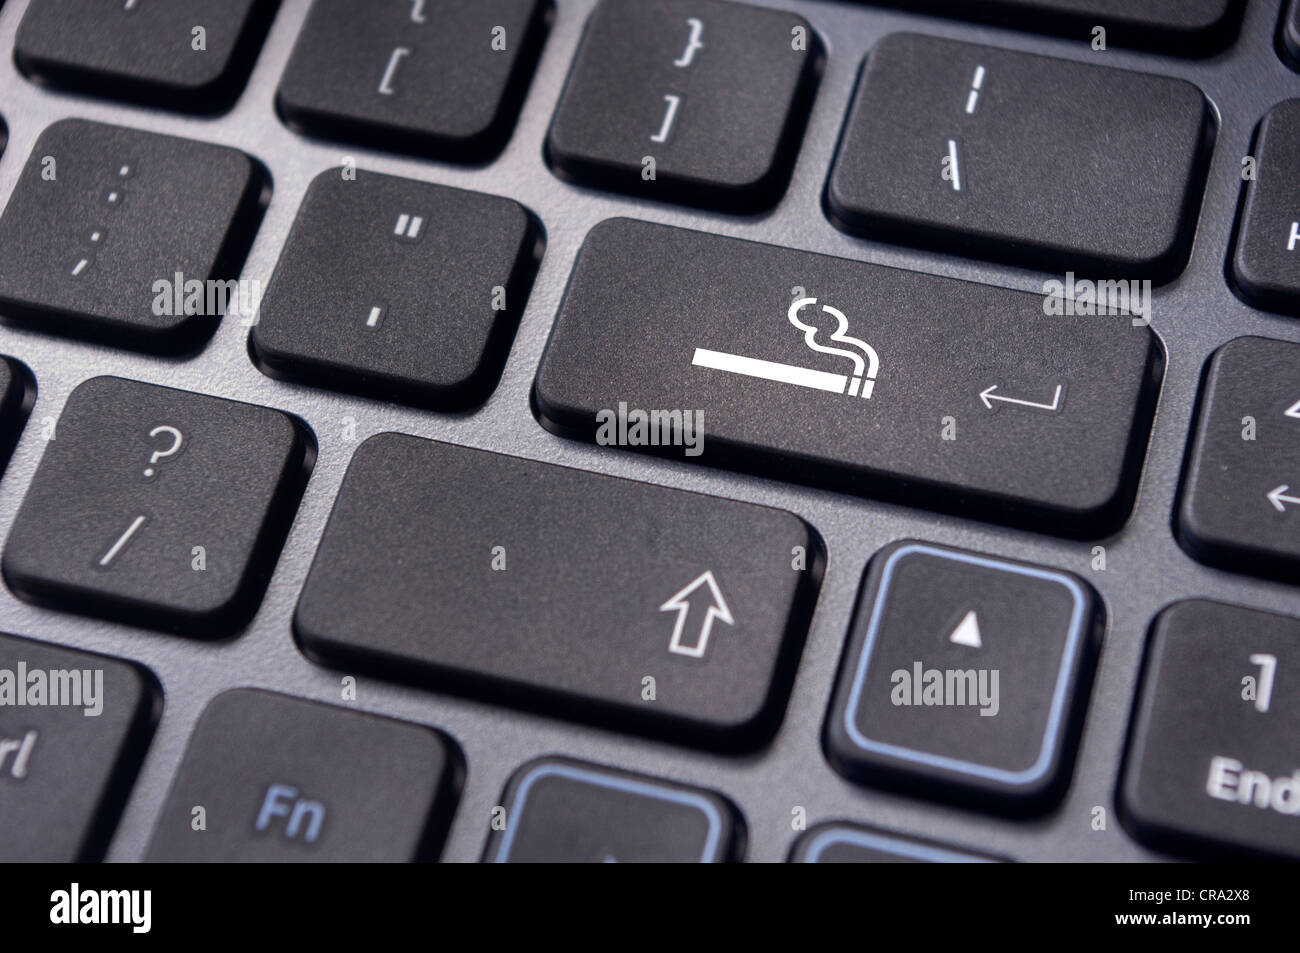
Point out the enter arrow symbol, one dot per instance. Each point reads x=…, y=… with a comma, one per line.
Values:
x=1277, y=497
x=987, y=396
x=709, y=595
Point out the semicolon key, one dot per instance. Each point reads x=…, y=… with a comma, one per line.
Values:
x=109, y=232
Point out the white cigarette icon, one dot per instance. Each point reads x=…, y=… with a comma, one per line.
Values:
x=866, y=363
x=783, y=373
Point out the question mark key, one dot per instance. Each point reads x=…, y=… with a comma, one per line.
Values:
x=158, y=507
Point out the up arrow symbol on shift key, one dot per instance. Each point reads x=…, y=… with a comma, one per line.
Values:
x=967, y=631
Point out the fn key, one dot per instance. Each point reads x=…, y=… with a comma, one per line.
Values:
x=281, y=779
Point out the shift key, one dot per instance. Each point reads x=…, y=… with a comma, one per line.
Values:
x=957, y=396
x=582, y=596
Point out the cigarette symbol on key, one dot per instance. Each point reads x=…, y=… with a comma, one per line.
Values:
x=866, y=364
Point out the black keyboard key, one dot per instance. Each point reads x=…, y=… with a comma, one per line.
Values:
x=965, y=677
x=1041, y=162
x=1180, y=27
x=975, y=400
x=17, y=395
x=438, y=77
x=192, y=55
x=398, y=289
x=158, y=507
x=684, y=621
x=1266, y=258
x=1289, y=35
x=698, y=101
x=1241, y=483
x=1213, y=759
x=840, y=843
x=281, y=779
x=562, y=811
x=74, y=728
x=107, y=228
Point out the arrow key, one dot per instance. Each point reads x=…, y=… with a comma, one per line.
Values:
x=1240, y=499
x=965, y=677
x=562, y=811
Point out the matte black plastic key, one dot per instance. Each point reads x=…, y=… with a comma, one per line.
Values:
x=74, y=727
x=965, y=677
x=110, y=231
x=281, y=779
x=1041, y=162
x=17, y=395
x=398, y=289
x=1288, y=45
x=1213, y=760
x=842, y=843
x=159, y=507
x=1266, y=256
x=581, y=595
x=562, y=811
x=442, y=78
x=1241, y=482
x=698, y=101
x=1179, y=27
x=192, y=55
x=957, y=396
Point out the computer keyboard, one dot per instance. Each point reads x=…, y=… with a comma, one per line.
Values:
x=649, y=430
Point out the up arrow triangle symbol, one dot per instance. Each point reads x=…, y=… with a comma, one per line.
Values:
x=967, y=631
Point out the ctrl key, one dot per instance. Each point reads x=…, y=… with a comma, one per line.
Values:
x=74, y=728
x=269, y=778
x=1213, y=760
